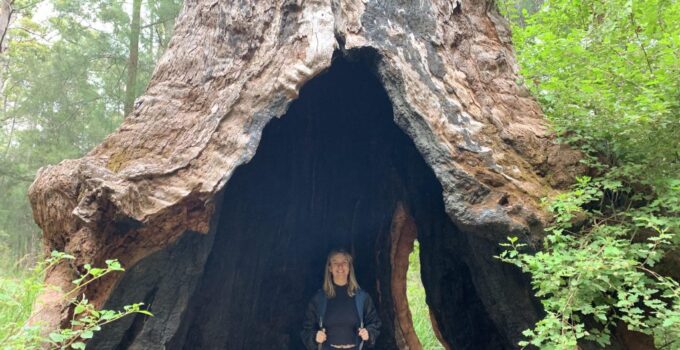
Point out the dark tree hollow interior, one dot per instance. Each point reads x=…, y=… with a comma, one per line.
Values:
x=328, y=174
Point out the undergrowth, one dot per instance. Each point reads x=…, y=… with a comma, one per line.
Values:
x=606, y=75
x=19, y=289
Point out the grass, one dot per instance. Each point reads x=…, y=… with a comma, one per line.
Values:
x=19, y=287
x=415, y=292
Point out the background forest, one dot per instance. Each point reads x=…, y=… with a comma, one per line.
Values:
x=68, y=71
x=605, y=72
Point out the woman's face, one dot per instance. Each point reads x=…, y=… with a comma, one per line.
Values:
x=339, y=267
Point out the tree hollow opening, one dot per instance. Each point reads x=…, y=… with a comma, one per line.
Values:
x=335, y=171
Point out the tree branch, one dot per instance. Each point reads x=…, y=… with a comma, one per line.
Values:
x=157, y=22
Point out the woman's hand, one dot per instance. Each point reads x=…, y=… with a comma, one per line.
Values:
x=363, y=333
x=321, y=336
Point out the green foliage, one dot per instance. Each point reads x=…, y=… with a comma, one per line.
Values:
x=420, y=312
x=594, y=277
x=86, y=321
x=17, y=294
x=18, y=290
x=606, y=73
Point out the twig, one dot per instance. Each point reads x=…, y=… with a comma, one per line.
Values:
x=644, y=52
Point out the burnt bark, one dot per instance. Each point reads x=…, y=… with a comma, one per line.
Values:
x=472, y=161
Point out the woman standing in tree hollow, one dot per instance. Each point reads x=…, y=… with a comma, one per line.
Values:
x=341, y=315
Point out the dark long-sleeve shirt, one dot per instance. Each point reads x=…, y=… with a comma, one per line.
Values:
x=342, y=320
x=311, y=323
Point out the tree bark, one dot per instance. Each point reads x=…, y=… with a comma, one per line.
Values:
x=232, y=66
x=5, y=17
x=130, y=86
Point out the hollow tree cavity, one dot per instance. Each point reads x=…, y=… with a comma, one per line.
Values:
x=253, y=151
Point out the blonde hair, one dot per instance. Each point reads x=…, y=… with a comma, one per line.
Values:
x=328, y=287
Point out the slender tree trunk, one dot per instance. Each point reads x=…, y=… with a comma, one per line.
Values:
x=134, y=57
x=4, y=105
x=150, y=47
x=161, y=39
x=5, y=16
x=11, y=132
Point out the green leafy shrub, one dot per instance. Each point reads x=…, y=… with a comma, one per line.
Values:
x=606, y=74
x=594, y=277
x=18, y=290
x=17, y=294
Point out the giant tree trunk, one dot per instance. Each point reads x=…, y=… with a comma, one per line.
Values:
x=394, y=116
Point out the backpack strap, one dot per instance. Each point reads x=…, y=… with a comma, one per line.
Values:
x=359, y=300
x=321, y=302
